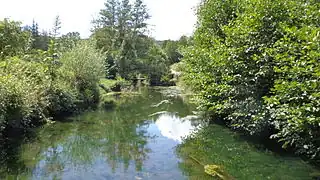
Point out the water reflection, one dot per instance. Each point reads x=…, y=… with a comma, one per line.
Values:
x=121, y=144
x=113, y=144
x=138, y=141
x=174, y=127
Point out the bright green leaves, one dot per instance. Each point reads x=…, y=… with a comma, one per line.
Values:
x=38, y=86
x=119, y=29
x=22, y=91
x=295, y=102
x=13, y=40
x=84, y=62
x=255, y=64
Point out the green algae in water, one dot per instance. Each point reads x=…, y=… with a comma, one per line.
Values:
x=126, y=142
x=214, y=170
x=219, y=146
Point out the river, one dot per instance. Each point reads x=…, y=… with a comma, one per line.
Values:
x=141, y=138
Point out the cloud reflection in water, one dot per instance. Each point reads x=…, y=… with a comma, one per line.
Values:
x=174, y=127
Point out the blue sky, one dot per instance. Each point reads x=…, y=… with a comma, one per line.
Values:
x=170, y=18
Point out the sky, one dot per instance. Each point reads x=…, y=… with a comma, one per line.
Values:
x=170, y=19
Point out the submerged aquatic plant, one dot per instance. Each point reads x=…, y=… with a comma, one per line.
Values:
x=214, y=170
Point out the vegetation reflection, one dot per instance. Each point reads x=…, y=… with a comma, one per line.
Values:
x=117, y=137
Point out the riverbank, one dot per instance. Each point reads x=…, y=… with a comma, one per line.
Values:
x=13, y=137
x=209, y=147
x=256, y=69
x=64, y=104
x=37, y=88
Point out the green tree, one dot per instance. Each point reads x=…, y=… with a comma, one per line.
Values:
x=69, y=41
x=13, y=40
x=171, y=48
x=37, y=85
x=139, y=16
x=40, y=40
x=43, y=41
x=34, y=29
x=56, y=27
x=254, y=64
x=105, y=30
x=117, y=30
x=184, y=41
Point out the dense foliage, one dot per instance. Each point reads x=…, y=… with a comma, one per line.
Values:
x=47, y=74
x=255, y=64
x=122, y=32
x=173, y=48
x=13, y=40
x=36, y=85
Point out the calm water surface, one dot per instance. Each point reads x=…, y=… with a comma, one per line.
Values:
x=142, y=138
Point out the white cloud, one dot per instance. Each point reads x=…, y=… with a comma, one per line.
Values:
x=170, y=18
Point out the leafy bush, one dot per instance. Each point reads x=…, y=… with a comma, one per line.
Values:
x=13, y=41
x=63, y=99
x=154, y=65
x=83, y=66
x=107, y=101
x=120, y=84
x=255, y=65
x=22, y=92
x=36, y=87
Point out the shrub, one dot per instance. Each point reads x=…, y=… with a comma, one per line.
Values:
x=255, y=65
x=119, y=84
x=35, y=88
x=22, y=92
x=83, y=66
x=107, y=102
x=63, y=99
x=13, y=40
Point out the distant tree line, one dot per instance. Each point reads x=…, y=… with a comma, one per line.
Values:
x=122, y=32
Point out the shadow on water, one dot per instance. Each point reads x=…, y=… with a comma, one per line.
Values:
x=10, y=143
x=141, y=138
x=261, y=142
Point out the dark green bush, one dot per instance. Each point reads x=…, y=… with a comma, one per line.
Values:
x=120, y=84
x=107, y=102
x=63, y=100
x=255, y=65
